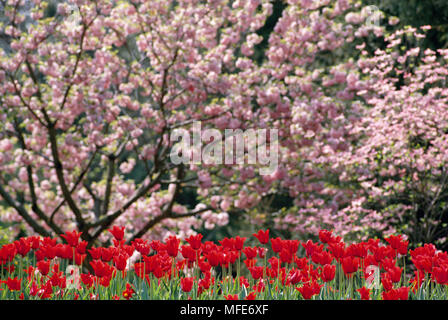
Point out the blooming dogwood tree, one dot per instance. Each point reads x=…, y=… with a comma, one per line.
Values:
x=374, y=155
x=400, y=159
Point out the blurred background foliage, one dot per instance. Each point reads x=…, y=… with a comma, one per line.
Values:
x=419, y=13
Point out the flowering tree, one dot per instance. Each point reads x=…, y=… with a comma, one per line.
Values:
x=380, y=165
x=400, y=160
x=86, y=100
x=314, y=85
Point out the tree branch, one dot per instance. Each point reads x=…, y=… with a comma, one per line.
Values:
x=167, y=211
x=78, y=181
x=106, y=221
x=158, y=219
x=34, y=205
x=110, y=177
x=23, y=213
x=60, y=175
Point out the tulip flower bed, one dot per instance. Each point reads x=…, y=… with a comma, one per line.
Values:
x=41, y=268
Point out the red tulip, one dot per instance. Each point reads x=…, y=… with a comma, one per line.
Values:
x=325, y=236
x=186, y=284
x=239, y=243
x=365, y=293
x=358, y=250
x=286, y=256
x=396, y=294
x=44, y=267
x=214, y=258
x=309, y=290
x=440, y=274
x=387, y=282
x=398, y=244
x=301, y=263
x=250, y=262
x=79, y=258
x=227, y=243
x=101, y=269
x=72, y=238
x=423, y=263
x=262, y=252
x=262, y=236
x=81, y=248
x=294, y=277
x=195, y=241
x=311, y=247
x=394, y=273
x=350, y=265
x=95, y=253
x=337, y=250
x=274, y=261
x=417, y=281
x=256, y=272
x=87, y=279
x=204, y=266
x=322, y=258
x=188, y=253
x=172, y=246
x=107, y=254
x=276, y=244
x=141, y=246
x=117, y=232
x=13, y=284
x=120, y=261
x=129, y=292
x=250, y=252
x=23, y=246
x=251, y=296
x=64, y=251
x=328, y=272
x=35, y=242
x=291, y=245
